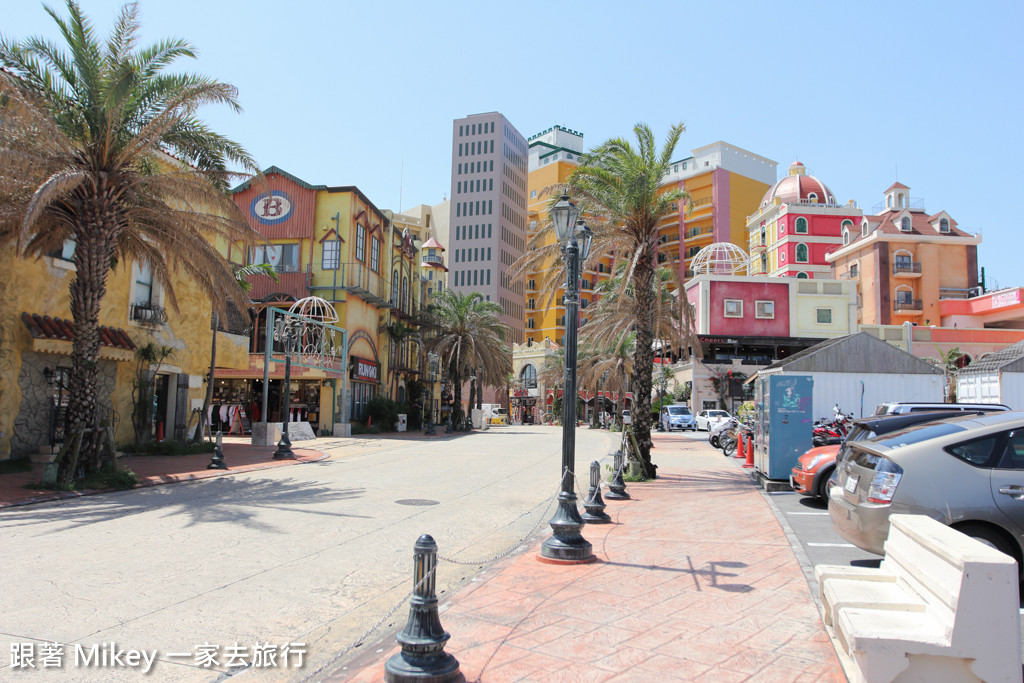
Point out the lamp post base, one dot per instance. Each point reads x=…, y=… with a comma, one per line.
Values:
x=284, y=448
x=566, y=545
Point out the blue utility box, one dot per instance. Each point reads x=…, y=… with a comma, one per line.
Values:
x=784, y=423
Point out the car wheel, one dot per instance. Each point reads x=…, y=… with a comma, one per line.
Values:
x=823, y=478
x=993, y=539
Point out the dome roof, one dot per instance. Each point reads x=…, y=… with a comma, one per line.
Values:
x=720, y=258
x=797, y=187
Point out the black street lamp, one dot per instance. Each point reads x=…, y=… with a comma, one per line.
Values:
x=433, y=367
x=567, y=544
x=284, y=446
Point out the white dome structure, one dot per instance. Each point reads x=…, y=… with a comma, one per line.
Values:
x=720, y=258
x=315, y=308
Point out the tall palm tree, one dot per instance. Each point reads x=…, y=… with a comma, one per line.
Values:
x=102, y=147
x=619, y=186
x=468, y=334
x=614, y=365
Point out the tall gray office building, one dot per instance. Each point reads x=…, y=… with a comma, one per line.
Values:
x=488, y=213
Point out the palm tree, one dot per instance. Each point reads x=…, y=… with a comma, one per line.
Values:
x=614, y=365
x=242, y=275
x=619, y=186
x=102, y=147
x=468, y=334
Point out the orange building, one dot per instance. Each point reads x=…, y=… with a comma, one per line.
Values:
x=906, y=261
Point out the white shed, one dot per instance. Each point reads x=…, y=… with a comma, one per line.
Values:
x=858, y=372
x=995, y=378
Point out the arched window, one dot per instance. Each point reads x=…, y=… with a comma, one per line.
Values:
x=801, y=226
x=528, y=376
x=812, y=198
x=802, y=253
x=405, y=293
x=864, y=227
x=905, y=224
x=943, y=225
x=801, y=275
x=764, y=263
x=846, y=236
x=394, y=288
x=847, y=224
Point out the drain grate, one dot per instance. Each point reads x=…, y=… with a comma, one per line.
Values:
x=417, y=501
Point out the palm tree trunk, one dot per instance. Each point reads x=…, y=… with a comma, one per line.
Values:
x=94, y=250
x=643, y=283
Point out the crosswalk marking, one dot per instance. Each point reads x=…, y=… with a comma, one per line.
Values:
x=807, y=513
x=831, y=545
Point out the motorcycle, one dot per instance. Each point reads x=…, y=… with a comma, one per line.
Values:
x=715, y=433
x=831, y=431
x=730, y=439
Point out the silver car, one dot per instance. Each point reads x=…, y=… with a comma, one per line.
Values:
x=966, y=472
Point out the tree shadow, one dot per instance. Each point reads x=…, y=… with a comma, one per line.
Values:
x=210, y=501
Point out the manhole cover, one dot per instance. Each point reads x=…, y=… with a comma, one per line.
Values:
x=416, y=501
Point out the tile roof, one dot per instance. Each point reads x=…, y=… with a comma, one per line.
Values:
x=920, y=224
x=995, y=360
x=45, y=327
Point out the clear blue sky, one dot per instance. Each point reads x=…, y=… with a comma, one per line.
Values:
x=353, y=93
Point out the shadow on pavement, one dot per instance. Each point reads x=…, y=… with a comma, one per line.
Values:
x=223, y=499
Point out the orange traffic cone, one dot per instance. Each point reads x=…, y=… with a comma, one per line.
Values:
x=750, y=453
x=739, y=444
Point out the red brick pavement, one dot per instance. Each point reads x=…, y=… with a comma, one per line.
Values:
x=695, y=581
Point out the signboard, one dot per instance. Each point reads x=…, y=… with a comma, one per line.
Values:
x=365, y=370
x=1006, y=299
x=271, y=207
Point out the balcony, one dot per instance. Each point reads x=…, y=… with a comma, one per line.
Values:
x=148, y=314
x=433, y=260
x=909, y=307
x=294, y=282
x=907, y=269
x=357, y=278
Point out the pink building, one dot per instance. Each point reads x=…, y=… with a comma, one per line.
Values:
x=798, y=222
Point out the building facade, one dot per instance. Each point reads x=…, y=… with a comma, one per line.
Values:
x=797, y=223
x=905, y=261
x=487, y=218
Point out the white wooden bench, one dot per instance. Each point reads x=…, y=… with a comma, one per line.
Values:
x=941, y=607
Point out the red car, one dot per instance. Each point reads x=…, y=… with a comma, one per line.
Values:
x=813, y=468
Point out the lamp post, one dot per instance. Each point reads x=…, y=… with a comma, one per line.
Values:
x=284, y=446
x=567, y=545
x=433, y=362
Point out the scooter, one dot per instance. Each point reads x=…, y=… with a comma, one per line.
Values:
x=831, y=431
x=715, y=433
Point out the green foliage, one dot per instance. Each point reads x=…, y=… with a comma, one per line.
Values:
x=384, y=413
x=146, y=357
x=683, y=392
x=361, y=428
x=169, y=447
x=110, y=478
x=747, y=411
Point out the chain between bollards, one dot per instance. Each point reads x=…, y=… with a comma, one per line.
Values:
x=594, y=504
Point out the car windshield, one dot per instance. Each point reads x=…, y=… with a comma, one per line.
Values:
x=717, y=413
x=919, y=433
x=678, y=410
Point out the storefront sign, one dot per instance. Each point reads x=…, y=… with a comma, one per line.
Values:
x=364, y=370
x=1006, y=299
x=716, y=340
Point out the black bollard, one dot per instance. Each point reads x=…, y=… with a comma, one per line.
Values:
x=617, y=487
x=594, y=504
x=217, y=461
x=423, y=657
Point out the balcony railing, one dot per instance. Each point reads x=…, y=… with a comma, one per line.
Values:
x=907, y=267
x=148, y=313
x=909, y=305
x=434, y=259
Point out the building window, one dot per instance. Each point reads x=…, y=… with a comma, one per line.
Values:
x=853, y=270
x=864, y=226
x=533, y=194
x=143, y=285
x=394, y=287
x=801, y=275
x=331, y=255
x=846, y=237
x=66, y=252
x=905, y=224
x=801, y=253
x=360, y=242
x=824, y=316
x=375, y=254
x=905, y=296
x=764, y=309
x=943, y=225
x=812, y=198
x=733, y=308
x=801, y=226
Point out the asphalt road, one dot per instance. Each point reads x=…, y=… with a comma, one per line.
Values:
x=313, y=554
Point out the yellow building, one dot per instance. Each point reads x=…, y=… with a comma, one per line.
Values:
x=35, y=350
x=725, y=184
x=905, y=261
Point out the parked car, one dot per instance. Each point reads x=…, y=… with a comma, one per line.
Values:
x=707, y=419
x=627, y=417
x=964, y=471
x=677, y=417
x=814, y=469
x=901, y=407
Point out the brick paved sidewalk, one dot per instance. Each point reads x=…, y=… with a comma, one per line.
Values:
x=153, y=470
x=696, y=581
